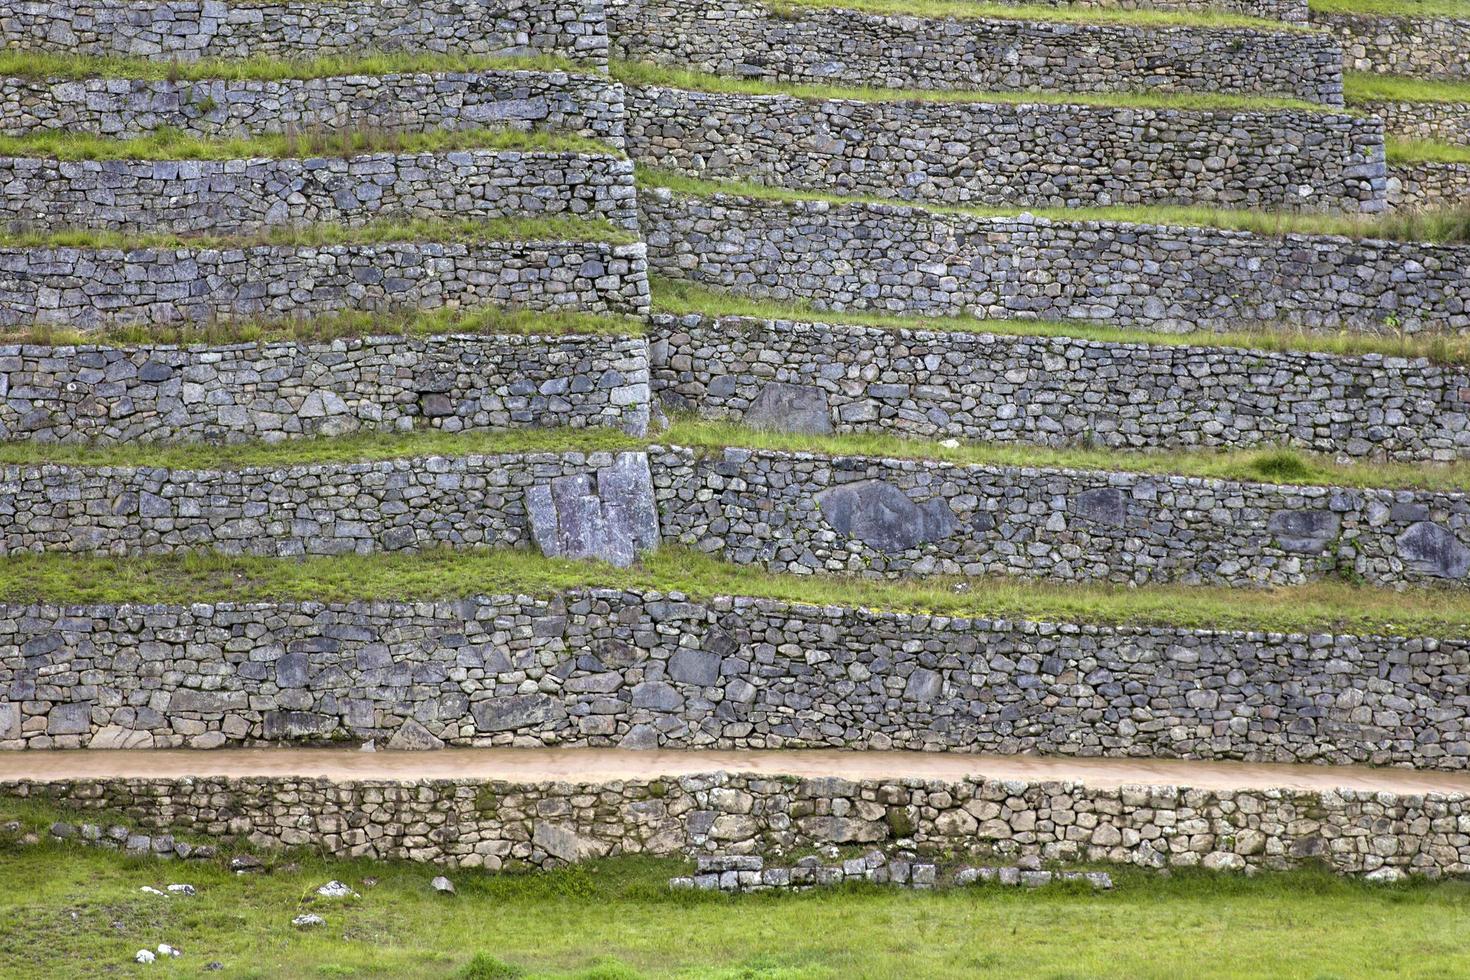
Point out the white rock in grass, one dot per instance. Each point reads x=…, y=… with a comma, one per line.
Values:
x=443, y=885
x=336, y=889
x=182, y=889
x=1385, y=875
x=144, y=956
x=164, y=949
x=308, y=921
x=150, y=890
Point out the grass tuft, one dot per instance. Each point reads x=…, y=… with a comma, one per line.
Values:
x=1393, y=8
x=1426, y=151
x=1369, y=87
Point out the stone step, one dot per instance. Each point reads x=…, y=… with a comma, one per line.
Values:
x=853, y=255
x=188, y=30
x=486, y=807
x=797, y=376
x=745, y=38
x=241, y=196
x=646, y=669
x=1422, y=47
x=125, y=108
x=1039, y=155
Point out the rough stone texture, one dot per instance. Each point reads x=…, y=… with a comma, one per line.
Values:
x=592, y=667
x=857, y=256
x=743, y=38
x=588, y=105
x=81, y=287
x=186, y=30
x=274, y=391
x=998, y=153
x=232, y=196
x=1429, y=186
x=1291, y=11
x=1448, y=122
x=812, y=377
x=1429, y=47
x=798, y=512
x=608, y=515
x=312, y=509
x=748, y=873
x=447, y=821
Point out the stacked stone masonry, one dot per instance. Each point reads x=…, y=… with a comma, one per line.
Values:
x=1427, y=47
x=645, y=670
x=742, y=38
x=1429, y=186
x=1447, y=122
x=1291, y=11
x=449, y=822
x=467, y=501
x=88, y=287
x=233, y=196
x=1033, y=154
x=803, y=513
x=857, y=256
x=187, y=30
x=1056, y=391
x=587, y=105
x=273, y=391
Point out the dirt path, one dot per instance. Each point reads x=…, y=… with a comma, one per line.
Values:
x=601, y=765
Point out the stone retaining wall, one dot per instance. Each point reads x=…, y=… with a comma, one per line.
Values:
x=469, y=501
x=1448, y=122
x=810, y=377
x=855, y=256
x=998, y=153
x=470, y=823
x=1429, y=47
x=1429, y=186
x=287, y=390
x=649, y=670
x=80, y=287
x=186, y=30
x=804, y=513
x=1291, y=11
x=235, y=196
x=743, y=38
x=589, y=105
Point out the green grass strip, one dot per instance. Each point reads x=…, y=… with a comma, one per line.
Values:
x=1393, y=8
x=42, y=65
x=517, y=229
x=970, y=10
x=1361, y=86
x=172, y=144
x=642, y=74
x=200, y=577
x=1447, y=227
x=1426, y=151
x=682, y=298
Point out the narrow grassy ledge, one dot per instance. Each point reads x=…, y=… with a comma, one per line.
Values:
x=170, y=144
x=1435, y=227
x=1367, y=87
x=681, y=298
x=39, y=64
x=967, y=10
x=552, y=229
x=1393, y=8
x=1322, y=607
x=1426, y=151
x=640, y=73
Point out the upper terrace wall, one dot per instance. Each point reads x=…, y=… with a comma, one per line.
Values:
x=1000, y=153
x=1291, y=11
x=1429, y=47
x=185, y=30
x=587, y=105
x=1445, y=121
x=742, y=38
x=903, y=259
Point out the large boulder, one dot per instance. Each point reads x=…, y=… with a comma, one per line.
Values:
x=882, y=516
x=1434, y=550
x=609, y=515
x=782, y=407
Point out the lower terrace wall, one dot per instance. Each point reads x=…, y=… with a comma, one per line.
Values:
x=588, y=105
x=649, y=670
x=743, y=38
x=185, y=30
x=1290, y=11
x=272, y=391
x=804, y=513
x=232, y=196
x=1429, y=186
x=81, y=287
x=468, y=823
x=1448, y=122
x=1000, y=153
x=811, y=377
x=855, y=256
x=1430, y=47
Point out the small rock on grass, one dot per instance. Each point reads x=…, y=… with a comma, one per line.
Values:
x=182, y=889
x=150, y=890
x=336, y=889
x=1385, y=875
x=246, y=863
x=442, y=885
x=308, y=921
x=144, y=956
x=164, y=949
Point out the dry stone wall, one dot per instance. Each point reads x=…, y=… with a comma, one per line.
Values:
x=587, y=105
x=187, y=30
x=804, y=513
x=1291, y=11
x=812, y=377
x=742, y=38
x=1448, y=122
x=234, y=196
x=856, y=256
x=273, y=391
x=1429, y=186
x=495, y=824
x=1429, y=47
x=81, y=287
x=999, y=153
x=649, y=670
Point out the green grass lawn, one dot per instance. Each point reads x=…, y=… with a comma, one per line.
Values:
x=69, y=912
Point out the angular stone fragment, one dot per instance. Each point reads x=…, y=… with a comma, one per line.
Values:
x=413, y=737
x=564, y=843
x=781, y=407
x=1434, y=550
x=1304, y=531
x=69, y=719
x=508, y=714
x=612, y=519
x=1104, y=505
x=882, y=516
